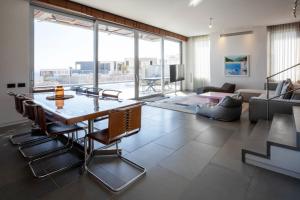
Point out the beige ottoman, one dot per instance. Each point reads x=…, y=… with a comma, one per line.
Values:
x=248, y=93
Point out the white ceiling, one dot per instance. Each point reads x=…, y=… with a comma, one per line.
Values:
x=179, y=17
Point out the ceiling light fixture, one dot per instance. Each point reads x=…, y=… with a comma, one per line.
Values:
x=295, y=8
x=210, y=23
x=194, y=3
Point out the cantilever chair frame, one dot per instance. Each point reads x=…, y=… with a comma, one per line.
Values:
x=114, y=138
x=58, y=151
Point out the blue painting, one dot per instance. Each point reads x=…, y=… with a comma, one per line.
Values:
x=237, y=65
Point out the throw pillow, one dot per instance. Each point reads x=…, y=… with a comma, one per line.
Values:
x=286, y=88
x=279, y=88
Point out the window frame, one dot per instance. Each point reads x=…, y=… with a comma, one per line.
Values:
x=95, y=46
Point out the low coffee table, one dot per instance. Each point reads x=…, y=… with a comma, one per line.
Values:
x=216, y=96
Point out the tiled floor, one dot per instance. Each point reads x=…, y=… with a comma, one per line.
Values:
x=186, y=157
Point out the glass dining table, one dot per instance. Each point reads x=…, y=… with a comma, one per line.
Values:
x=81, y=107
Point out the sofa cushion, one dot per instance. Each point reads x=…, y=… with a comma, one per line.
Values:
x=279, y=88
x=286, y=88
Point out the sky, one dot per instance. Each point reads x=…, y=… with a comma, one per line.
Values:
x=59, y=46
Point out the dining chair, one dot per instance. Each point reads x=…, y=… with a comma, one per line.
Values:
x=113, y=94
x=25, y=111
x=40, y=144
x=93, y=91
x=37, y=166
x=121, y=122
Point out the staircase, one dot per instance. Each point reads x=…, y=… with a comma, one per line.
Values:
x=275, y=145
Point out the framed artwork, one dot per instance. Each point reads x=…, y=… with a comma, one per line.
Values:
x=237, y=65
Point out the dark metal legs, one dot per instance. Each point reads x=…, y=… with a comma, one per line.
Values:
x=42, y=148
x=56, y=161
x=25, y=138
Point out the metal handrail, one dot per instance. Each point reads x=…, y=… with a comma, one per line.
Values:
x=283, y=94
x=268, y=99
x=283, y=71
x=268, y=78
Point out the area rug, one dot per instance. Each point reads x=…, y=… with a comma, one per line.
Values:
x=185, y=104
x=153, y=99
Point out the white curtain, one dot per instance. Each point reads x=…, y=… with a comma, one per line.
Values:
x=284, y=50
x=201, y=61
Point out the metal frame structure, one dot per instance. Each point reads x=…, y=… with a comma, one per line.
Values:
x=95, y=46
x=54, y=154
x=110, y=152
x=267, y=87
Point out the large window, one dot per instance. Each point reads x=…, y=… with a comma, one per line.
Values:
x=150, y=64
x=67, y=48
x=116, y=59
x=284, y=50
x=172, y=51
x=63, y=50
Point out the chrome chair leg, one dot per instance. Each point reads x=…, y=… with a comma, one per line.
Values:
x=54, y=154
x=28, y=141
x=43, y=153
x=111, y=152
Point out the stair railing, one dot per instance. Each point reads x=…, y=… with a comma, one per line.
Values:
x=268, y=92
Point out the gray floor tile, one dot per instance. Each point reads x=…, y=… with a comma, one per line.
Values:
x=159, y=184
x=271, y=185
x=27, y=188
x=145, y=136
x=215, y=135
x=149, y=155
x=177, y=138
x=216, y=183
x=85, y=188
x=190, y=159
x=229, y=156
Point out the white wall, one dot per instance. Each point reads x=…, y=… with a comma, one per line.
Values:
x=254, y=45
x=190, y=57
x=14, y=54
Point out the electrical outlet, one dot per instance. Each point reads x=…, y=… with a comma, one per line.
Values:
x=21, y=85
x=11, y=85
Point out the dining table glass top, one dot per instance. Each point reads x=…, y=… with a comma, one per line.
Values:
x=79, y=108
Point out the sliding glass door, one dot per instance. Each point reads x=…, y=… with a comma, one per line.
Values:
x=67, y=48
x=63, y=50
x=116, y=59
x=150, y=65
x=172, y=56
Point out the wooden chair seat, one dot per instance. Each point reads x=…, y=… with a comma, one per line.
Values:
x=102, y=137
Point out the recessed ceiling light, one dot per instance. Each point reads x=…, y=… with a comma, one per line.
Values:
x=194, y=3
x=210, y=25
